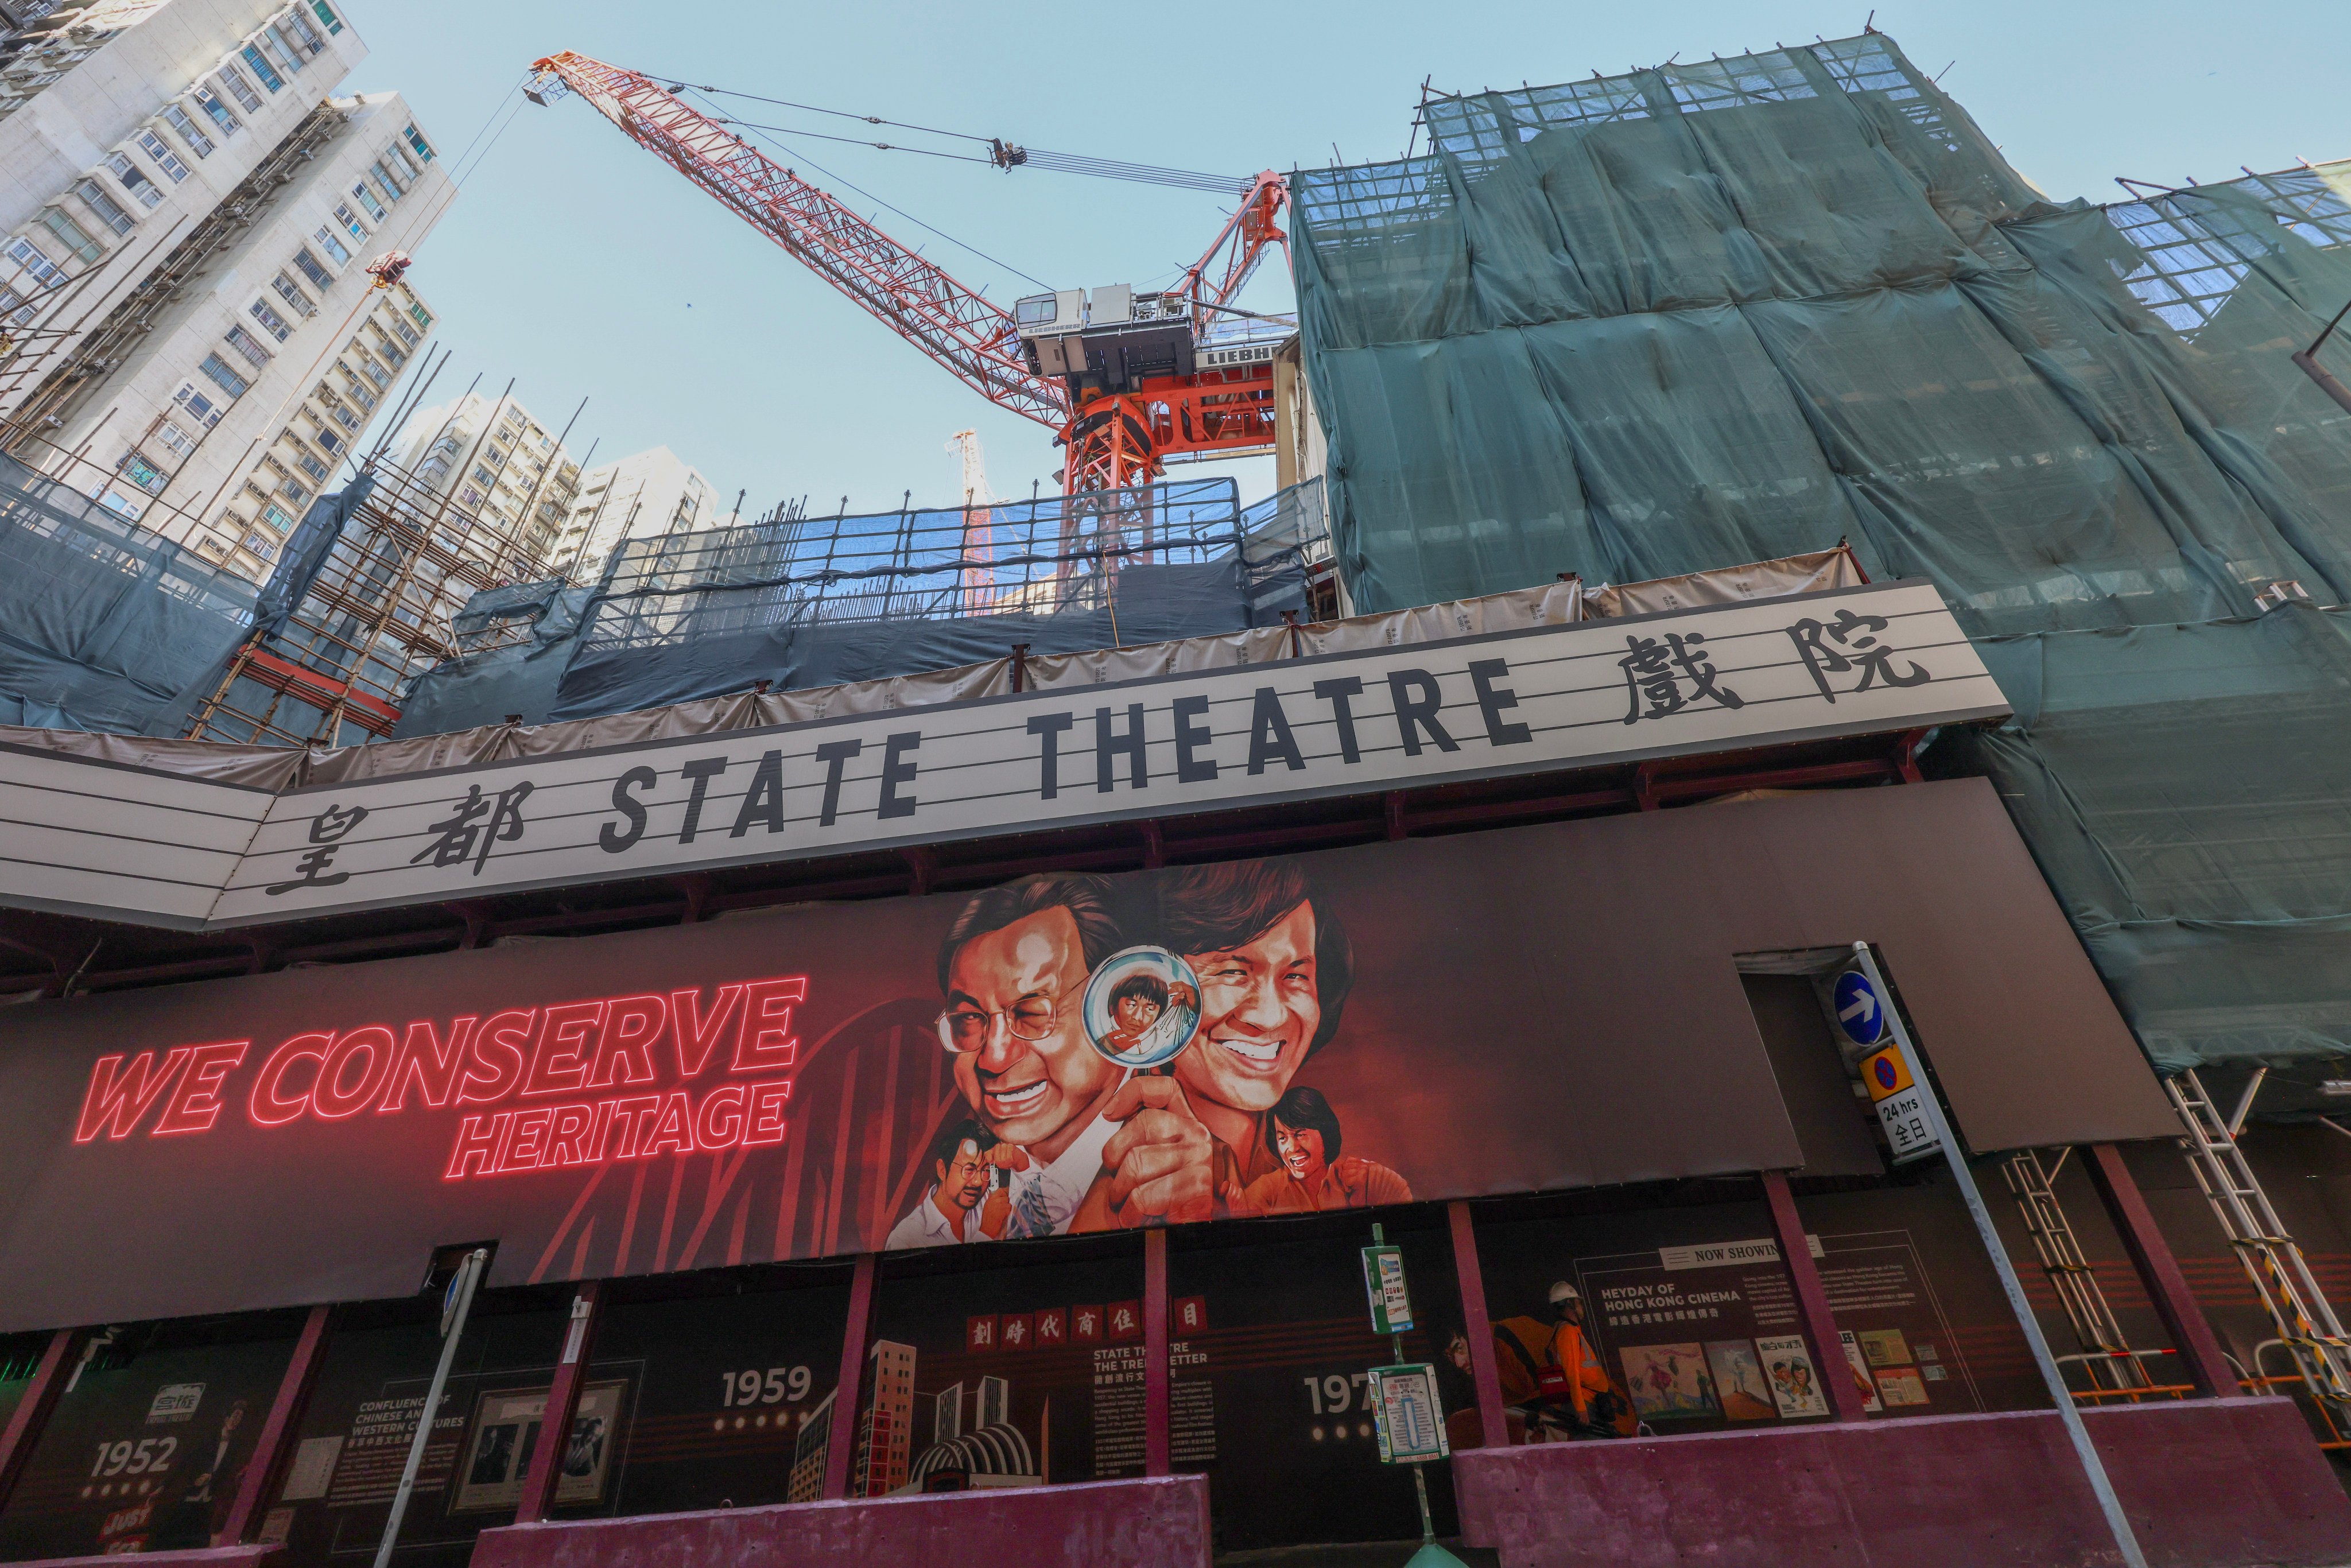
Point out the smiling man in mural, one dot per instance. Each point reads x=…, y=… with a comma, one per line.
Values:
x=1275, y=968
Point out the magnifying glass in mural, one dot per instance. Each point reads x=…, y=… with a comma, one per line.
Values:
x=1142, y=1007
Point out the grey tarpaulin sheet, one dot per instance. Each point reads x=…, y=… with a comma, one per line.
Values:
x=103, y=624
x=801, y=603
x=275, y=768
x=1639, y=325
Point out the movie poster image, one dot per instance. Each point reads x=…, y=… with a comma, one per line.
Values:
x=506, y=1431
x=1669, y=1382
x=1795, y=1385
x=145, y=1449
x=1064, y=1054
x=1740, y=1384
x=1856, y=1366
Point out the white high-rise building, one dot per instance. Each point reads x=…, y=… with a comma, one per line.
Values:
x=501, y=471
x=187, y=332
x=653, y=495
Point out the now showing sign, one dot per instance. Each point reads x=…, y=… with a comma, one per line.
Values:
x=1887, y=656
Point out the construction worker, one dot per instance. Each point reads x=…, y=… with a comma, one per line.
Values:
x=1553, y=1374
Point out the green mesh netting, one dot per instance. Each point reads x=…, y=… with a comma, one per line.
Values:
x=1647, y=325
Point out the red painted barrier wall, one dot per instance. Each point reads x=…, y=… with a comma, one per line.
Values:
x=207, y=1557
x=1156, y=1523
x=2207, y=1484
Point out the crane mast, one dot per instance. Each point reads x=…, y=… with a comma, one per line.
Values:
x=1117, y=422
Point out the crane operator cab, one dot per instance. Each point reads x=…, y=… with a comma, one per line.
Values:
x=1110, y=343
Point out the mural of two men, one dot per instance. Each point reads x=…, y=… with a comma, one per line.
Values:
x=1059, y=1140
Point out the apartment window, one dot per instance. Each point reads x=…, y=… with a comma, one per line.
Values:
x=367, y=200
x=384, y=176
x=424, y=316
x=109, y=211
x=245, y=343
x=165, y=159
x=416, y=140
x=377, y=374
x=334, y=246
x=70, y=235
x=271, y=320
x=227, y=380
x=269, y=79
x=115, y=501
x=334, y=23
x=198, y=404
x=239, y=88
x=482, y=476
x=470, y=497
x=209, y=101
x=177, y=442
x=136, y=468
x=29, y=257
x=407, y=333
x=289, y=291
x=288, y=60
x=395, y=355
x=345, y=418
x=328, y=439
x=177, y=118
x=312, y=267
x=137, y=183
x=294, y=491
x=305, y=34
x=312, y=466
x=259, y=545
x=350, y=220
x=277, y=520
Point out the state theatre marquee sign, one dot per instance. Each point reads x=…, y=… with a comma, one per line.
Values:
x=162, y=849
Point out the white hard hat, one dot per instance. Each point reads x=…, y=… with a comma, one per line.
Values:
x=1564, y=1292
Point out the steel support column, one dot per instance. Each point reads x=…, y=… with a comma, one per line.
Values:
x=275, y=1447
x=31, y=1412
x=1813, y=1300
x=562, y=1404
x=2158, y=1270
x=1157, y=1396
x=1493, y=1418
x=841, y=1444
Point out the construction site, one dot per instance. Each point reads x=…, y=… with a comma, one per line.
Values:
x=1816, y=674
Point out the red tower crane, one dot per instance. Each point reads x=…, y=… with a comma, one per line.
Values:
x=1123, y=386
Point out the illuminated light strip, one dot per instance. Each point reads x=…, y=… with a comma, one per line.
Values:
x=515, y=1053
x=566, y=1136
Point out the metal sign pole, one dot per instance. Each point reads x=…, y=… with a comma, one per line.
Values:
x=452, y=1329
x=1939, y=1126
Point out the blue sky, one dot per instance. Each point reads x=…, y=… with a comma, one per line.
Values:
x=581, y=265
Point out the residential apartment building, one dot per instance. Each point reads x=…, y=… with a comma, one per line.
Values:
x=502, y=473
x=191, y=335
x=651, y=494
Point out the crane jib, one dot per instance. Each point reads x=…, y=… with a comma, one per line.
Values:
x=1112, y=440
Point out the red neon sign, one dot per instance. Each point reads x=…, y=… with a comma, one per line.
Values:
x=480, y=1064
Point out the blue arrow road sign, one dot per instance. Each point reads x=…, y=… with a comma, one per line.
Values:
x=1860, y=1012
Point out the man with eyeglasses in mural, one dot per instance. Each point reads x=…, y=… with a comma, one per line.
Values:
x=1069, y=1124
